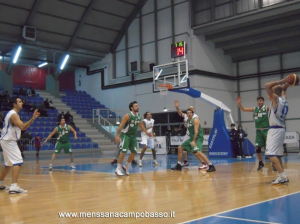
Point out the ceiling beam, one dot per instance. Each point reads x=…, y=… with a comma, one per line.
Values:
x=127, y=23
x=275, y=44
x=81, y=23
x=129, y=3
x=260, y=37
x=32, y=12
x=266, y=53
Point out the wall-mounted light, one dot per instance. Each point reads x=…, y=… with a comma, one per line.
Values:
x=43, y=64
x=17, y=54
x=165, y=109
x=64, y=62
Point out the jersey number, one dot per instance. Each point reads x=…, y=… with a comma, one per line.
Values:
x=284, y=111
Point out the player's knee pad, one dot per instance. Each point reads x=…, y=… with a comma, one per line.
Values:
x=258, y=149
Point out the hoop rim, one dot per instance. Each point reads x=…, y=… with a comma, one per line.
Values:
x=165, y=85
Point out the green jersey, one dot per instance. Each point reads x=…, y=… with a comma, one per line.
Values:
x=260, y=116
x=63, y=133
x=132, y=124
x=191, y=128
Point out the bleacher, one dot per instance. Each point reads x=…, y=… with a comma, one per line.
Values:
x=43, y=126
x=84, y=104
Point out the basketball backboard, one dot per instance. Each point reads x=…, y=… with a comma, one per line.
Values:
x=174, y=73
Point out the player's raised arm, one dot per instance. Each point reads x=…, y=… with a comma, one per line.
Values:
x=50, y=135
x=176, y=103
x=123, y=122
x=17, y=122
x=272, y=88
x=245, y=109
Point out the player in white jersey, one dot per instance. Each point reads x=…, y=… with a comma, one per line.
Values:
x=148, y=142
x=10, y=134
x=276, y=134
x=187, y=135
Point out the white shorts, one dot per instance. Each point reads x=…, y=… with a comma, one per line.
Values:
x=275, y=139
x=146, y=140
x=11, y=153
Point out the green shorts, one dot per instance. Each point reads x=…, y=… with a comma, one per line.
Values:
x=66, y=146
x=261, y=137
x=128, y=142
x=187, y=145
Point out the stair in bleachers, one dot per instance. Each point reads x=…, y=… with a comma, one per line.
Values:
x=81, y=120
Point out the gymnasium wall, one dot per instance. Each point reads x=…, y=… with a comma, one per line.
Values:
x=201, y=55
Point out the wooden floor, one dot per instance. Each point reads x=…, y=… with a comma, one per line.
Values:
x=191, y=194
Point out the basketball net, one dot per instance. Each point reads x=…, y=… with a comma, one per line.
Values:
x=163, y=89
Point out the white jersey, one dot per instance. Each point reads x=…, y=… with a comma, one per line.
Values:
x=277, y=116
x=148, y=123
x=185, y=119
x=10, y=132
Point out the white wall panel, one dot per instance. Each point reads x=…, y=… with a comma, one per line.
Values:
x=120, y=64
x=291, y=60
x=163, y=4
x=270, y=63
x=181, y=18
x=121, y=45
x=248, y=67
x=164, y=52
x=266, y=79
x=148, y=7
x=148, y=28
x=248, y=84
x=133, y=33
x=148, y=55
x=164, y=21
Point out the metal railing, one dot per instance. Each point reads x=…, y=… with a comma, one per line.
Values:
x=109, y=119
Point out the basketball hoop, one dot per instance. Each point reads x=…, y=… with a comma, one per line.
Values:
x=163, y=89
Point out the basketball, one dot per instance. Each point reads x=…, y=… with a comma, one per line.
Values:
x=292, y=79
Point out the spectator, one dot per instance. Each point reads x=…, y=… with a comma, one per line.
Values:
x=22, y=92
x=29, y=93
x=234, y=137
x=68, y=117
x=32, y=92
x=60, y=116
x=51, y=105
x=43, y=110
x=46, y=103
x=37, y=141
x=242, y=135
x=32, y=108
x=6, y=96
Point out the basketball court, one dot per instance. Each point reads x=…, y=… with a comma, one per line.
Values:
x=236, y=193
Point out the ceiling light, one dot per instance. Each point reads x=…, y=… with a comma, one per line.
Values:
x=0, y=57
x=17, y=54
x=43, y=64
x=64, y=62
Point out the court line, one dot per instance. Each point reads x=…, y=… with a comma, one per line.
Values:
x=257, y=203
x=227, y=217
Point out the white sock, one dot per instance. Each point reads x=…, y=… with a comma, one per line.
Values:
x=14, y=184
x=210, y=164
x=179, y=163
x=140, y=160
x=127, y=164
x=50, y=164
x=283, y=175
x=154, y=160
x=1, y=182
x=119, y=165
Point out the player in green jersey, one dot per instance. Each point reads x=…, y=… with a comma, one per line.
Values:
x=129, y=124
x=260, y=116
x=63, y=141
x=194, y=143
